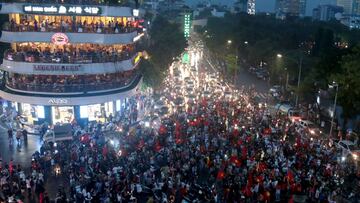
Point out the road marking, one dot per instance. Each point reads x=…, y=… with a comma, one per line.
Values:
x=215, y=70
x=261, y=95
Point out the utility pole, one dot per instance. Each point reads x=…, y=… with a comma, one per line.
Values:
x=334, y=108
x=299, y=78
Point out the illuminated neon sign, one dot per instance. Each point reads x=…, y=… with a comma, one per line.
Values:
x=62, y=10
x=59, y=39
x=187, y=25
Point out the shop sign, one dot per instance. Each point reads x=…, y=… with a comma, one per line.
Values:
x=137, y=58
x=58, y=101
x=60, y=68
x=187, y=25
x=56, y=9
x=59, y=39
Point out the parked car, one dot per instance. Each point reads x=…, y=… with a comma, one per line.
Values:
x=285, y=108
x=309, y=127
x=275, y=89
x=348, y=148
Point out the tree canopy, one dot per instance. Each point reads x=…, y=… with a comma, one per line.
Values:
x=325, y=47
x=348, y=79
x=166, y=42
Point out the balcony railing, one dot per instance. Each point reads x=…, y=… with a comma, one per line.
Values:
x=65, y=57
x=76, y=2
x=71, y=28
x=72, y=88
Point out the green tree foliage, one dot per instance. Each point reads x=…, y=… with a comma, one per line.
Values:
x=348, y=79
x=231, y=64
x=166, y=43
x=266, y=36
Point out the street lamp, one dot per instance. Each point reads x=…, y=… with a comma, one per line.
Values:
x=333, y=85
x=229, y=41
x=299, y=74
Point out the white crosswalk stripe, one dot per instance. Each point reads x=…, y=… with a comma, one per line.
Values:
x=261, y=95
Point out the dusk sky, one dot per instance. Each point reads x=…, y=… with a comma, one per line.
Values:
x=268, y=5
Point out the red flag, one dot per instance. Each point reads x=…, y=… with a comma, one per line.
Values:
x=235, y=160
x=104, y=151
x=178, y=141
x=162, y=130
x=244, y=152
x=267, y=131
x=141, y=144
x=220, y=175
x=290, y=176
x=157, y=146
x=206, y=123
x=235, y=132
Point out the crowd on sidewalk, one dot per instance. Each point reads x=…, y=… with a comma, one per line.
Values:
x=99, y=26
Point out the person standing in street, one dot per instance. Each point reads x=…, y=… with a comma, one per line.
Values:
x=24, y=134
x=10, y=135
x=18, y=137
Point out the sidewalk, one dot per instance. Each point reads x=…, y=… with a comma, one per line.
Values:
x=16, y=125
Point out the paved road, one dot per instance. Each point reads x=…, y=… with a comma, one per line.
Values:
x=20, y=155
x=247, y=79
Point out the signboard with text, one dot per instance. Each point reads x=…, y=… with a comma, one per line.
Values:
x=187, y=25
x=60, y=68
x=62, y=10
x=59, y=39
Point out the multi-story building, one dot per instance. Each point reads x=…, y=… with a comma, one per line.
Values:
x=351, y=7
x=251, y=7
x=326, y=12
x=356, y=7
x=75, y=60
x=351, y=13
x=290, y=7
x=346, y=4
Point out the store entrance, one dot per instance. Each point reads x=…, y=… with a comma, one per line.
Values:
x=62, y=114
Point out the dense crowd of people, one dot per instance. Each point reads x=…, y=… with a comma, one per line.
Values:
x=73, y=83
x=215, y=148
x=99, y=26
x=70, y=54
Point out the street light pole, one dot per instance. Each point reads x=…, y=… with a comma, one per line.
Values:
x=334, y=108
x=287, y=80
x=236, y=64
x=298, y=84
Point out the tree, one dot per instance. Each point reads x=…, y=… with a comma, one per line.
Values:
x=349, y=83
x=231, y=64
x=166, y=43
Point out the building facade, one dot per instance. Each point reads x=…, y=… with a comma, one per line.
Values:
x=251, y=6
x=291, y=7
x=351, y=7
x=326, y=12
x=70, y=61
x=346, y=4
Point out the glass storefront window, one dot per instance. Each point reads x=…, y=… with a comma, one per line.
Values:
x=62, y=114
x=32, y=112
x=84, y=112
x=118, y=105
x=109, y=108
x=94, y=112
